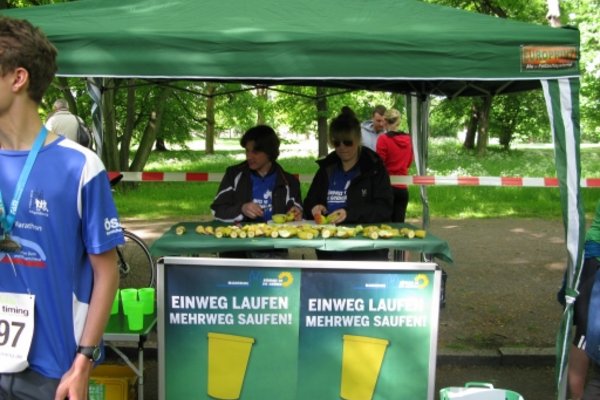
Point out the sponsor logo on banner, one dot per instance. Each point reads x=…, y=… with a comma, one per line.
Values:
x=535, y=58
x=421, y=281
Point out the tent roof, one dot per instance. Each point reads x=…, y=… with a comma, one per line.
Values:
x=393, y=45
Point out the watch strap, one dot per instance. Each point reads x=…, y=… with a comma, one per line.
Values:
x=91, y=352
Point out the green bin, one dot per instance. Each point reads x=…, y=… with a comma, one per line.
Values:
x=478, y=391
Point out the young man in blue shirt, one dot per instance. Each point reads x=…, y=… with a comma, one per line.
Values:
x=58, y=233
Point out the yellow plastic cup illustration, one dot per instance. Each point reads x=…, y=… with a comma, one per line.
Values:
x=128, y=296
x=146, y=296
x=362, y=357
x=115, y=304
x=135, y=316
x=227, y=361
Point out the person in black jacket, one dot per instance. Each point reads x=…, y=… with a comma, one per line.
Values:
x=351, y=186
x=258, y=188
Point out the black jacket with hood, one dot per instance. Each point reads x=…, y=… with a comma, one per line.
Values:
x=236, y=189
x=369, y=196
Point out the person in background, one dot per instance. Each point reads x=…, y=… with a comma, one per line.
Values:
x=395, y=149
x=579, y=362
x=351, y=185
x=371, y=129
x=587, y=318
x=59, y=229
x=258, y=188
x=62, y=121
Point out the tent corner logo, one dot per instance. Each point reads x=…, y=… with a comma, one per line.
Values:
x=535, y=58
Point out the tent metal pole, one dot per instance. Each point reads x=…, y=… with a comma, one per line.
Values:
x=417, y=114
x=562, y=103
x=94, y=87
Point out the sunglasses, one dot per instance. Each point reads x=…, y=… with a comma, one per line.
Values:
x=347, y=143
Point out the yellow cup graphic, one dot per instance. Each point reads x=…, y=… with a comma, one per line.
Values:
x=361, y=361
x=227, y=360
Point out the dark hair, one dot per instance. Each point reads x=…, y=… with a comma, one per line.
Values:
x=345, y=126
x=24, y=46
x=265, y=140
x=379, y=109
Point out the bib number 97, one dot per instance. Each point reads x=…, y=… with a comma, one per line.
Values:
x=10, y=331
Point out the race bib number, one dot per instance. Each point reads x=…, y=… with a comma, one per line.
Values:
x=16, y=330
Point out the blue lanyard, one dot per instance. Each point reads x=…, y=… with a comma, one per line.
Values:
x=8, y=220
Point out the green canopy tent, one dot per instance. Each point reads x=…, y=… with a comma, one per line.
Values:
x=403, y=46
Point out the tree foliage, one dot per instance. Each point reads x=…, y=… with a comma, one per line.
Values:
x=586, y=15
x=138, y=114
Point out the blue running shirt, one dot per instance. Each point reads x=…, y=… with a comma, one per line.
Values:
x=66, y=211
x=339, y=182
x=262, y=193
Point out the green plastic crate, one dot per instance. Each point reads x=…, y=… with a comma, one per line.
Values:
x=478, y=391
x=96, y=391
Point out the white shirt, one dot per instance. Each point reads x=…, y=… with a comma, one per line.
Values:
x=63, y=123
x=368, y=134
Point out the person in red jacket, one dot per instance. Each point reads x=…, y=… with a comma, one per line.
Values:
x=395, y=149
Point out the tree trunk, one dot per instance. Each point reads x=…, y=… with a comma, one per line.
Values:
x=322, y=121
x=553, y=15
x=506, y=137
x=469, y=142
x=160, y=145
x=65, y=89
x=262, y=97
x=209, y=142
x=484, y=125
x=125, y=149
x=151, y=131
x=507, y=128
x=110, y=148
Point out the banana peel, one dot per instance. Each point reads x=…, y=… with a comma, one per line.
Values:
x=328, y=231
x=332, y=217
x=321, y=219
x=279, y=218
x=305, y=231
x=290, y=216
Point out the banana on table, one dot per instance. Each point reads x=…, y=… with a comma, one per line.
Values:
x=304, y=231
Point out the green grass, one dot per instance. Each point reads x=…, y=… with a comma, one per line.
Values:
x=152, y=200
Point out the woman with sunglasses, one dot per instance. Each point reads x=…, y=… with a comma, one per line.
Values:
x=351, y=185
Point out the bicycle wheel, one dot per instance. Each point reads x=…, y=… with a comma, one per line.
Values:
x=136, y=266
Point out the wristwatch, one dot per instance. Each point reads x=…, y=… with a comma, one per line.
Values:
x=91, y=352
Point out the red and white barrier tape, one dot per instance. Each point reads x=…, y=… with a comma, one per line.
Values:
x=504, y=181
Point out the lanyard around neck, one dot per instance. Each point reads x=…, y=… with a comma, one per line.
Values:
x=8, y=220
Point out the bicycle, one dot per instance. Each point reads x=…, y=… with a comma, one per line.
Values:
x=136, y=265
